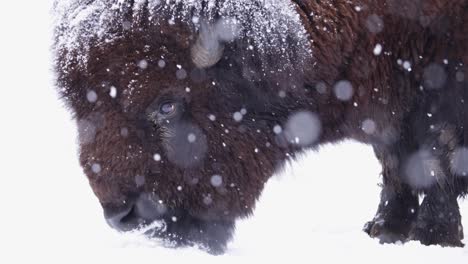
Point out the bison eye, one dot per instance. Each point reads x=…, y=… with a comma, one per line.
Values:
x=167, y=108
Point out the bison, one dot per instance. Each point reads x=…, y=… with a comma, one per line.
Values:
x=185, y=109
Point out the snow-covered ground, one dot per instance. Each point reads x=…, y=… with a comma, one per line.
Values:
x=313, y=211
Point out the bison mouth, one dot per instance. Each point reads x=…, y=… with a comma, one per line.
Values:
x=175, y=228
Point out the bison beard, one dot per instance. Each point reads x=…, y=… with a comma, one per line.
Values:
x=185, y=110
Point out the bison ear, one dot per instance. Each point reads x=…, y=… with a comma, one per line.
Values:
x=208, y=49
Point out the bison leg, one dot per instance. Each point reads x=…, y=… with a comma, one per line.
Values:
x=398, y=204
x=395, y=215
x=439, y=220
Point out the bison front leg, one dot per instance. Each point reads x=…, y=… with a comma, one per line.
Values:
x=395, y=215
x=398, y=204
x=439, y=220
x=432, y=170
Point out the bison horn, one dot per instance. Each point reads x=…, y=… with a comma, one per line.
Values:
x=208, y=49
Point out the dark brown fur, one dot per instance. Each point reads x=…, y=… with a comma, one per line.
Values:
x=424, y=32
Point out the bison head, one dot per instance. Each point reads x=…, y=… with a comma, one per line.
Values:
x=180, y=108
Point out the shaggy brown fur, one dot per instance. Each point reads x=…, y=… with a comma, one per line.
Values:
x=407, y=101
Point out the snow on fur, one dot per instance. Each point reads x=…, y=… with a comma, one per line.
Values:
x=267, y=24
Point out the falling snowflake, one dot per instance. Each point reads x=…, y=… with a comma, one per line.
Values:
x=191, y=137
x=113, y=92
x=434, y=76
x=368, y=126
x=91, y=96
x=303, y=128
x=237, y=116
x=377, y=50
x=161, y=64
x=181, y=74
x=374, y=23
x=96, y=168
x=343, y=90
x=418, y=168
x=277, y=129
x=157, y=157
x=143, y=64
x=212, y=117
x=216, y=180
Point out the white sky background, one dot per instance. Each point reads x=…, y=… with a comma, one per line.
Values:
x=314, y=211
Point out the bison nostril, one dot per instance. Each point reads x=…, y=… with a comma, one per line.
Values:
x=144, y=210
x=122, y=218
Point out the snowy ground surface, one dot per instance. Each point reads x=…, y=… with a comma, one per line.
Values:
x=314, y=211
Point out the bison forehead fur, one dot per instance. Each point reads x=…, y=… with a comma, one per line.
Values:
x=185, y=110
